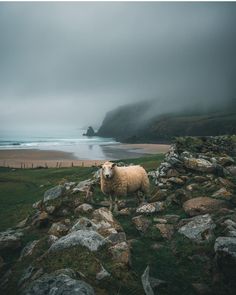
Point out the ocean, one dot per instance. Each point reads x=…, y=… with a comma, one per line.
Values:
x=72, y=141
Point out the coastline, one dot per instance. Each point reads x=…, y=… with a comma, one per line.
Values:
x=35, y=158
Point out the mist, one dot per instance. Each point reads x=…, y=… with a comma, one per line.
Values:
x=64, y=65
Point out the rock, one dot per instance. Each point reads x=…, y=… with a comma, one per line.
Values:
x=146, y=282
x=223, y=193
x=87, y=238
x=37, y=205
x=120, y=253
x=83, y=186
x=225, y=249
x=125, y=212
x=192, y=187
x=117, y=237
x=172, y=218
x=104, y=219
x=166, y=230
x=199, y=179
x=102, y=274
x=40, y=219
x=151, y=207
x=160, y=195
x=58, y=284
x=22, y=223
x=225, y=161
x=50, y=209
x=232, y=170
x=202, y=205
x=84, y=224
x=52, y=239
x=10, y=239
x=141, y=223
x=172, y=173
x=160, y=220
x=53, y=193
x=176, y=180
x=28, y=250
x=201, y=165
x=199, y=228
x=225, y=182
x=84, y=208
x=90, y=132
x=58, y=229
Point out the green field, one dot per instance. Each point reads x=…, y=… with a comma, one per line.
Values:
x=20, y=188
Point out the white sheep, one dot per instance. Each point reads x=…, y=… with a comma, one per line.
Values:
x=119, y=181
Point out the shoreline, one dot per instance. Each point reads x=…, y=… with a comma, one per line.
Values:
x=36, y=158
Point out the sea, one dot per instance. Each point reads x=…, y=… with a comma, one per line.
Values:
x=72, y=141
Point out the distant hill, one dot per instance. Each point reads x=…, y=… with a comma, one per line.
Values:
x=134, y=123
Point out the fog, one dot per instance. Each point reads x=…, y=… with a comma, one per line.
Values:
x=64, y=65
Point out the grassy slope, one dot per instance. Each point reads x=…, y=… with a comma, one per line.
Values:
x=19, y=189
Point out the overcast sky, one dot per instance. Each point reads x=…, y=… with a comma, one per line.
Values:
x=64, y=65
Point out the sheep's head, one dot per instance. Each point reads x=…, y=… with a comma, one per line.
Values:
x=108, y=170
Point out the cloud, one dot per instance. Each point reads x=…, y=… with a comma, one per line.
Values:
x=66, y=64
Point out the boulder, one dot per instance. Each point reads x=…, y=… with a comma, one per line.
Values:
x=202, y=205
x=166, y=230
x=84, y=208
x=28, y=249
x=223, y=193
x=104, y=218
x=151, y=207
x=58, y=284
x=53, y=193
x=58, y=229
x=120, y=253
x=199, y=228
x=87, y=238
x=141, y=223
x=199, y=164
x=10, y=239
x=83, y=186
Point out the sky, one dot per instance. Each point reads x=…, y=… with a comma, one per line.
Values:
x=64, y=65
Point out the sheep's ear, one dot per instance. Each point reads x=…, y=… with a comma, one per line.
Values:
x=113, y=165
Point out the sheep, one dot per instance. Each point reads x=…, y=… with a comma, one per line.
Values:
x=119, y=181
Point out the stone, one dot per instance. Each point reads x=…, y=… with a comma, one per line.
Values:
x=58, y=284
x=53, y=193
x=87, y=238
x=223, y=193
x=117, y=237
x=225, y=161
x=225, y=249
x=199, y=228
x=199, y=164
x=172, y=173
x=84, y=224
x=84, y=208
x=202, y=205
x=121, y=253
x=146, y=282
x=141, y=223
x=50, y=209
x=102, y=274
x=37, y=205
x=160, y=195
x=176, y=180
x=160, y=220
x=166, y=230
x=83, y=186
x=172, y=218
x=28, y=249
x=199, y=178
x=103, y=217
x=225, y=182
x=124, y=212
x=232, y=170
x=58, y=229
x=40, y=219
x=10, y=239
x=22, y=223
x=151, y=207
x=52, y=239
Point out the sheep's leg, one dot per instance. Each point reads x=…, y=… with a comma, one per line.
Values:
x=116, y=206
x=111, y=202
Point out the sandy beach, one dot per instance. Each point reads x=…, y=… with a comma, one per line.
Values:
x=32, y=158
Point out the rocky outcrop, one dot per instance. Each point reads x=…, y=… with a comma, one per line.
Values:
x=53, y=193
x=90, y=132
x=10, y=239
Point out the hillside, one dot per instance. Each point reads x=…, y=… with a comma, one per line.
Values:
x=182, y=241
x=133, y=123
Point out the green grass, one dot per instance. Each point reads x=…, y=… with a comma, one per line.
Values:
x=19, y=189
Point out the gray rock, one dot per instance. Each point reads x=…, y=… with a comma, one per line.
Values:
x=83, y=186
x=146, y=282
x=141, y=223
x=199, y=228
x=84, y=224
x=53, y=193
x=58, y=284
x=201, y=165
x=232, y=170
x=102, y=274
x=226, y=246
x=10, y=239
x=87, y=238
x=28, y=249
